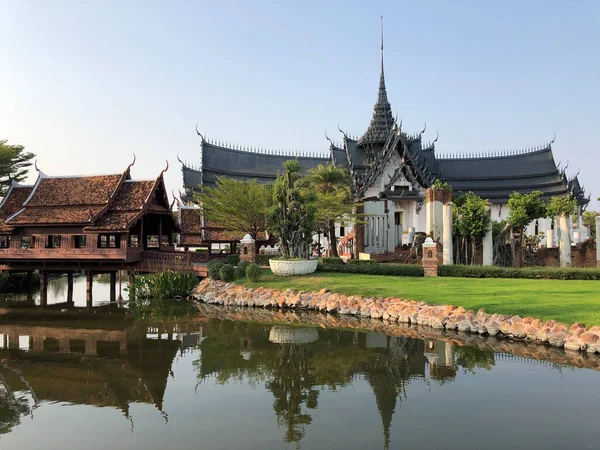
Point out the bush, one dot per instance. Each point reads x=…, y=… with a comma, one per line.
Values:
x=401, y=270
x=263, y=260
x=167, y=284
x=253, y=272
x=330, y=260
x=213, y=269
x=240, y=270
x=362, y=261
x=232, y=259
x=16, y=282
x=227, y=272
x=549, y=273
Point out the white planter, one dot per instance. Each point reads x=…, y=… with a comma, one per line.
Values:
x=289, y=268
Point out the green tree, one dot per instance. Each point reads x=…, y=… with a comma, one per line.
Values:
x=589, y=220
x=471, y=221
x=294, y=213
x=239, y=207
x=523, y=209
x=334, y=200
x=14, y=164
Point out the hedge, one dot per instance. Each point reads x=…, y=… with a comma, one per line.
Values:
x=233, y=259
x=331, y=260
x=227, y=272
x=374, y=268
x=253, y=272
x=240, y=270
x=550, y=273
x=362, y=262
x=263, y=260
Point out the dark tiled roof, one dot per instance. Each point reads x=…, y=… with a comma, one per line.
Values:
x=75, y=191
x=190, y=220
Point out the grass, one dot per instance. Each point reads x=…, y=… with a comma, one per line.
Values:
x=567, y=301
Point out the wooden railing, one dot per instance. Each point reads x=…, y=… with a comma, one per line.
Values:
x=159, y=261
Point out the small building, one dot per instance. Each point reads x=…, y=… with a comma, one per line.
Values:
x=101, y=223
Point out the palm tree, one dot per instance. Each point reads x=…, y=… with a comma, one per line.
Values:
x=333, y=186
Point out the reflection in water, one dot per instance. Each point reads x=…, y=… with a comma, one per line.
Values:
x=116, y=365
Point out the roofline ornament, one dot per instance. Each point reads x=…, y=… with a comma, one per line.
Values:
x=132, y=163
x=553, y=139
x=165, y=169
x=199, y=134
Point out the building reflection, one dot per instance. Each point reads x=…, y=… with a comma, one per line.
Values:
x=87, y=366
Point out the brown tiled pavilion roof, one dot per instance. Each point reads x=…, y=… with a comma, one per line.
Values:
x=75, y=191
x=132, y=195
x=55, y=215
x=14, y=199
x=190, y=220
x=114, y=220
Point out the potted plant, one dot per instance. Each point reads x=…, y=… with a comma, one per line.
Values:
x=293, y=220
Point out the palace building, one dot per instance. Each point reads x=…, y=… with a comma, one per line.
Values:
x=391, y=169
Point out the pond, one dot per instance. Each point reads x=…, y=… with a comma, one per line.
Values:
x=211, y=382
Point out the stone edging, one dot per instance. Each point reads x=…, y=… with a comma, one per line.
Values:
x=556, y=334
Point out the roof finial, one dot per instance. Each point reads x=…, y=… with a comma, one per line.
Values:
x=382, y=97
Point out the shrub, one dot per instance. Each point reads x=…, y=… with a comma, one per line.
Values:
x=240, y=270
x=550, y=273
x=362, y=261
x=167, y=284
x=232, y=259
x=263, y=260
x=331, y=260
x=14, y=282
x=402, y=270
x=213, y=269
x=253, y=272
x=227, y=272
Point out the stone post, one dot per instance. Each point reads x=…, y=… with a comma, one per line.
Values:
x=430, y=260
x=488, y=242
x=247, y=249
x=580, y=228
x=597, y=241
x=564, y=243
x=447, y=253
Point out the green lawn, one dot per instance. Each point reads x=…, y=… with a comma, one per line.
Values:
x=567, y=301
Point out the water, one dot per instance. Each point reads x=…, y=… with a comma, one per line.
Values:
x=213, y=382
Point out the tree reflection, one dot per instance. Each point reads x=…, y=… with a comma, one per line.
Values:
x=12, y=408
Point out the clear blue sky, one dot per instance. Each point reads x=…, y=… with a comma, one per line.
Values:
x=85, y=84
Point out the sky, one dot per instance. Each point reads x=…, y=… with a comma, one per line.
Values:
x=85, y=85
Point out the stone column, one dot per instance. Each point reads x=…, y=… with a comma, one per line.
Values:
x=89, y=282
x=597, y=241
x=580, y=228
x=430, y=260
x=70, y=288
x=564, y=243
x=43, y=288
x=113, y=287
x=247, y=249
x=447, y=254
x=411, y=235
x=435, y=198
x=488, y=242
x=550, y=238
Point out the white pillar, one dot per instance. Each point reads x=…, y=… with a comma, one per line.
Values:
x=564, y=244
x=550, y=238
x=411, y=235
x=428, y=217
x=576, y=236
x=597, y=241
x=580, y=227
x=447, y=258
x=438, y=219
x=488, y=243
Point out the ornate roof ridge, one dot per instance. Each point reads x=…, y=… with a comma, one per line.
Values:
x=495, y=154
x=234, y=147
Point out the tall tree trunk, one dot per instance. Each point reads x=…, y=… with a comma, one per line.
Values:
x=332, y=241
x=513, y=255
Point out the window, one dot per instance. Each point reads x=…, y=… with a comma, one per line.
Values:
x=79, y=241
x=52, y=241
x=342, y=231
x=4, y=241
x=109, y=241
x=27, y=242
x=152, y=241
x=134, y=240
x=165, y=241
